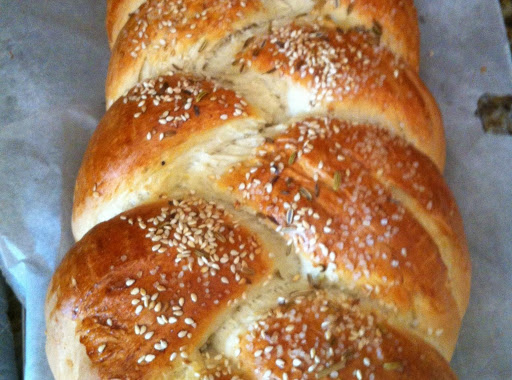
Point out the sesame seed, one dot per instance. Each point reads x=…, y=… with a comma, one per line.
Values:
x=172, y=320
x=161, y=345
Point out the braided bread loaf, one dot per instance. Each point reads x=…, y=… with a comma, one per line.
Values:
x=262, y=200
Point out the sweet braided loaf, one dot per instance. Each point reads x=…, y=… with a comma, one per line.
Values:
x=262, y=200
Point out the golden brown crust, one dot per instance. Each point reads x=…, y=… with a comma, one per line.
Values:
x=144, y=38
x=118, y=12
x=145, y=129
x=350, y=73
x=313, y=187
x=416, y=279
x=160, y=31
x=343, y=254
x=127, y=17
x=372, y=165
x=316, y=337
x=417, y=261
x=388, y=18
x=146, y=287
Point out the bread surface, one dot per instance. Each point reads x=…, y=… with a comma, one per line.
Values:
x=262, y=199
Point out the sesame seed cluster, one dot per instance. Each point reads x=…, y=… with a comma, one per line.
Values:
x=177, y=20
x=332, y=62
x=220, y=368
x=197, y=262
x=310, y=337
x=314, y=337
x=180, y=98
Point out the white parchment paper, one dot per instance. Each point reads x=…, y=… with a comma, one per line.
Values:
x=53, y=61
